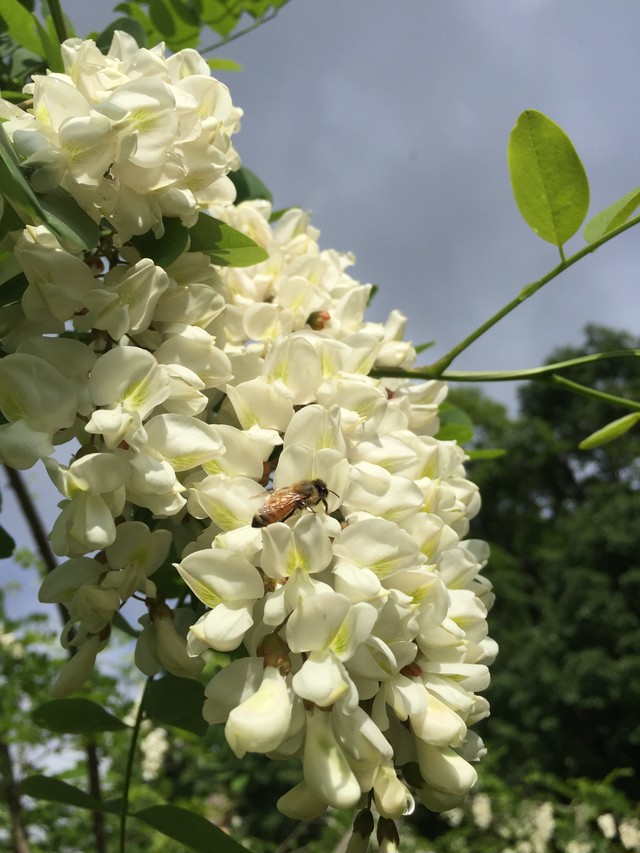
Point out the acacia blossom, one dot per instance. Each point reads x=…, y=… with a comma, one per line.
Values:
x=195, y=392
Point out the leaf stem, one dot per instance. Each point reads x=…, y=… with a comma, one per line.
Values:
x=438, y=367
x=124, y=806
x=578, y=388
x=55, y=10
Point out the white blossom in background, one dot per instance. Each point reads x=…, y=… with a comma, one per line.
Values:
x=358, y=607
x=154, y=747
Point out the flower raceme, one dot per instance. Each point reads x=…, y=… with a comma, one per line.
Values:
x=191, y=393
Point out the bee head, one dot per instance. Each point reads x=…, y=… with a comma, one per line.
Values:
x=323, y=489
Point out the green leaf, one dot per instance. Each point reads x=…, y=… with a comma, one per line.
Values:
x=176, y=701
x=56, y=791
x=51, y=48
x=612, y=217
x=486, y=453
x=10, y=220
x=7, y=544
x=76, y=716
x=278, y=214
x=168, y=248
x=9, y=267
x=220, y=16
x=22, y=26
x=610, y=432
x=455, y=425
x=68, y=221
x=248, y=186
x=548, y=180
x=127, y=25
x=12, y=290
x=224, y=65
x=226, y=246
x=422, y=347
x=15, y=187
x=177, y=23
x=189, y=828
x=56, y=209
x=137, y=14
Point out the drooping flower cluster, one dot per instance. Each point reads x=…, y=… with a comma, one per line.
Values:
x=197, y=394
x=131, y=135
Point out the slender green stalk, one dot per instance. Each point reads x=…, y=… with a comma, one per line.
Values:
x=55, y=10
x=124, y=806
x=439, y=366
x=430, y=372
x=592, y=392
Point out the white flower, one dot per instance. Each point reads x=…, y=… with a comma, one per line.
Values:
x=129, y=383
x=162, y=643
x=260, y=722
x=132, y=136
x=126, y=301
x=229, y=585
x=37, y=401
x=94, y=488
x=59, y=282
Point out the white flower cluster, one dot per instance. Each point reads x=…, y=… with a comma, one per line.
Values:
x=131, y=135
x=233, y=412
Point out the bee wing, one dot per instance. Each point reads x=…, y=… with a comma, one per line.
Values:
x=281, y=498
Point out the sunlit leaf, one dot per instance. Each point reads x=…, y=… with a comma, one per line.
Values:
x=76, y=716
x=548, y=180
x=22, y=26
x=220, y=16
x=226, y=246
x=612, y=217
x=610, y=432
x=224, y=65
x=189, y=828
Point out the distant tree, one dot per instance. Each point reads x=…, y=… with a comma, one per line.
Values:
x=563, y=525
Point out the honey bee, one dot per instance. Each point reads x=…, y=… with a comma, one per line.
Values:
x=281, y=504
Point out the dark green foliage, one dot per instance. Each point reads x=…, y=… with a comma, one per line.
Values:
x=563, y=525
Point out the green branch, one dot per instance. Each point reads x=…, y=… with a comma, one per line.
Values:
x=439, y=366
x=124, y=805
x=430, y=372
x=55, y=10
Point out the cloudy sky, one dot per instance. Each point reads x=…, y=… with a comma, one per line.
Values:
x=390, y=120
